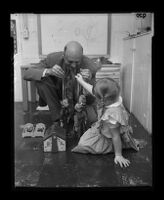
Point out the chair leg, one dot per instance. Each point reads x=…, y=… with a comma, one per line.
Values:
x=33, y=91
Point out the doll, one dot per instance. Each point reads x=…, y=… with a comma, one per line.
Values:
x=80, y=117
x=66, y=113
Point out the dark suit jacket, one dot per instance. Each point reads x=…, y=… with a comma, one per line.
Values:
x=35, y=73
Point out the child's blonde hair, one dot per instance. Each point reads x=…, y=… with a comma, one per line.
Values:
x=106, y=89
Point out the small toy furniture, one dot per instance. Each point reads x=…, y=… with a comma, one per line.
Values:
x=39, y=130
x=28, y=130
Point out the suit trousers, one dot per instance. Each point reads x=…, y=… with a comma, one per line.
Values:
x=50, y=94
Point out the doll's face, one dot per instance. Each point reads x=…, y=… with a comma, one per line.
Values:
x=82, y=99
x=65, y=103
x=78, y=107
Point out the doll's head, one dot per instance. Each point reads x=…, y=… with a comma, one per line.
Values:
x=78, y=107
x=106, y=90
x=82, y=99
x=65, y=103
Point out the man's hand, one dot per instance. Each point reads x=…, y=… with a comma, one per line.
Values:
x=86, y=74
x=122, y=161
x=56, y=70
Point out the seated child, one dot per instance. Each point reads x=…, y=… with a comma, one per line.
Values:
x=111, y=132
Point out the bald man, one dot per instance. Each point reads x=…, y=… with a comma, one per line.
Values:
x=51, y=71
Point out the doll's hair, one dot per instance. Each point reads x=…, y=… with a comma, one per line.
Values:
x=106, y=89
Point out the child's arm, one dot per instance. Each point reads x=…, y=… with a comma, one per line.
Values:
x=118, y=148
x=86, y=85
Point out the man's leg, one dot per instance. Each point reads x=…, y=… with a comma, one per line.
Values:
x=51, y=96
x=41, y=101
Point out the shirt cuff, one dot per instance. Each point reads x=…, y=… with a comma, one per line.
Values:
x=44, y=73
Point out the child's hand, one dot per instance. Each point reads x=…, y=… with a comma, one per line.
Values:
x=122, y=161
x=79, y=77
x=86, y=74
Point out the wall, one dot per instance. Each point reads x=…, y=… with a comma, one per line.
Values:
x=27, y=48
x=126, y=73
x=91, y=30
x=136, y=78
x=136, y=66
x=17, y=62
x=141, y=88
x=121, y=25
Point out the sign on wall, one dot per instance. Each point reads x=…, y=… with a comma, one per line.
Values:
x=91, y=30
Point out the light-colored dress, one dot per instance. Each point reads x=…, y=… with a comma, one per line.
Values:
x=98, y=138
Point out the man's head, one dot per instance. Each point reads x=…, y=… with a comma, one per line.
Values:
x=73, y=53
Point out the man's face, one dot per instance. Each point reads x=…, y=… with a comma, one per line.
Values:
x=72, y=61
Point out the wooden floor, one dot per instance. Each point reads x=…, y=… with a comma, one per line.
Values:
x=33, y=168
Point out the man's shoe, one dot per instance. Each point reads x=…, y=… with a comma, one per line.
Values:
x=42, y=108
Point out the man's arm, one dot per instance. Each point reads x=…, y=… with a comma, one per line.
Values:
x=49, y=66
x=36, y=72
x=93, y=67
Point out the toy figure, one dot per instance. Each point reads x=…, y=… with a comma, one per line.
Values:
x=80, y=117
x=66, y=112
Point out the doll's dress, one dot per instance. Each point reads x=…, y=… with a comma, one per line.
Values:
x=98, y=138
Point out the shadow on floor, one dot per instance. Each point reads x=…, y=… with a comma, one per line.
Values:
x=33, y=168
